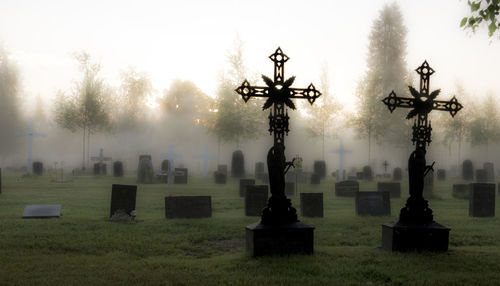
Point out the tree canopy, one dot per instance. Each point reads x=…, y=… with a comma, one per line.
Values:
x=483, y=12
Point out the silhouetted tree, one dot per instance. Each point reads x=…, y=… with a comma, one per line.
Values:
x=86, y=108
x=386, y=72
x=484, y=126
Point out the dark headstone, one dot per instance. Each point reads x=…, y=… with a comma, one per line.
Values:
x=319, y=168
x=145, y=170
x=460, y=191
x=220, y=178
x=243, y=186
x=410, y=237
x=315, y=179
x=441, y=174
x=482, y=200
x=481, y=176
x=238, y=164
x=373, y=203
x=397, y=174
x=429, y=184
x=188, y=207
x=42, y=211
x=122, y=198
x=165, y=166
x=255, y=199
x=393, y=188
x=281, y=239
x=311, y=204
x=118, y=169
x=38, y=168
x=490, y=171
x=97, y=169
x=467, y=170
x=289, y=189
x=222, y=169
x=181, y=176
x=367, y=173
x=359, y=175
x=346, y=188
x=259, y=170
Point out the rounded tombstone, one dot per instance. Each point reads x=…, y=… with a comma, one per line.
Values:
x=367, y=173
x=118, y=169
x=38, y=168
x=145, y=170
x=467, y=170
x=165, y=166
x=397, y=174
x=238, y=164
x=320, y=168
x=259, y=170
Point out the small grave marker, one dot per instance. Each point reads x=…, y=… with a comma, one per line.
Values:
x=319, y=168
x=255, y=199
x=467, y=170
x=122, y=198
x=490, y=171
x=220, y=178
x=181, y=176
x=346, y=188
x=311, y=204
x=42, y=211
x=482, y=200
x=243, y=186
x=373, y=203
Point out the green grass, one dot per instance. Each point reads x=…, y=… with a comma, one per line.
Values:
x=83, y=248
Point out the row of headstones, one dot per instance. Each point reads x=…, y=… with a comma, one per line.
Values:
x=486, y=174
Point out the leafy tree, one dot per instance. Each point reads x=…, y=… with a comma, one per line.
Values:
x=386, y=72
x=483, y=11
x=235, y=119
x=86, y=108
x=135, y=89
x=322, y=114
x=484, y=127
x=9, y=100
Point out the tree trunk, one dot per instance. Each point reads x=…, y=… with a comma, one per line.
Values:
x=83, y=144
x=369, y=145
x=88, y=148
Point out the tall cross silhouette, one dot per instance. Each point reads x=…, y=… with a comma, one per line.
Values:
x=341, y=151
x=31, y=134
x=279, y=94
x=205, y=157
x=422, y=103
x=171, y=156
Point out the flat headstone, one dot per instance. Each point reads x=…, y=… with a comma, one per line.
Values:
x=122, y=198
x=243, y=186
x=38, y=168
x=482, y=200
x=145, y=170
x=42, y=211
x=397, y=174
x=481, y=176
x=181, y=176
x=311, y=204
x=319, y=168
x=346, y=188
x=367, y=173
x=222, y=169
x=118, y=169
x=467, y=170
x=259, y=170
x=460, y=191
x=394, y=188
x=315, y=179
x=238, y=164
x=188, y=207
x=373, y=203
x=255, y=199
x=441, y=174
x=490, y=171
x=220, y=178
x=289, y=189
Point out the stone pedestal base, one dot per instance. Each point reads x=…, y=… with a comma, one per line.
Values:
x=295, y=238
x=407, y=237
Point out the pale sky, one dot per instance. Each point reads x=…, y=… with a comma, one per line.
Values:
x=190, y=39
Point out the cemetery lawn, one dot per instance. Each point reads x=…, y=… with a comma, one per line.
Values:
x=84, y=248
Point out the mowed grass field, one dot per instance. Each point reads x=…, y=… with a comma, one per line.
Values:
x=83, y=248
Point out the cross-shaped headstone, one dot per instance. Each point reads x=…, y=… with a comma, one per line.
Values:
x=205, y=157
x=279, y=94
x=101, y=159
x=31, y=134
x=422, y=103
x=385, y=164
x=171, y=156
x=341, y=151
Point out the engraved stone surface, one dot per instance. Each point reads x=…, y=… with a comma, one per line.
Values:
x=42, y=211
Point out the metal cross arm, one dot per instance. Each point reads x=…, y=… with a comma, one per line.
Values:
x=392, y=101
x=247, y=91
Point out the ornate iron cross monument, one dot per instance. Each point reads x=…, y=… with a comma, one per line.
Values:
x=422, y=103
x=279, y=94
